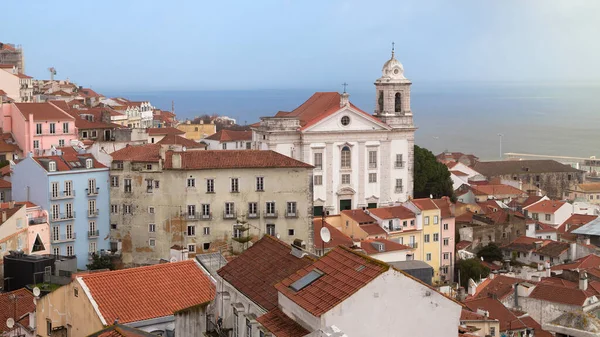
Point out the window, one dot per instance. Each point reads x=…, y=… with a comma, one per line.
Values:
x=492, y=331
x=399, y=162
x=535, y=216
x=52, y=166
x=399, y=187
x=55, y=233
x=224, y=146
x=127, y=209
x=152, y=242
x=248, y=328
x=372, y=177
x=345, y=157
x=541, y=257
x=92, y=186
x=56, y=250
x=68, y=188
x=152, y=228
x=436, y=237
x=61, y=142
x=291, y=208
x=210, y=186
x=191, y=182
x=234, y=185
x=114, y=209
x=191, y=230
x=69, y=208
x=291, y=232
x=114, y=181
x=398, y=102
x=69, y=250
x=89, y=163
x=92, y=208
x=113, y=226
x=52, y=128
x=428, y=258
x=54, y=189
x=127, y=185
x=446, y=241
x=191, y=209
x=38, y=129
x=446, y=256
x=191, y=248
x=318, y=180
x=537, y=178
x=271, y=229
x=260, y=183
x=318, y=161
x=206, y=231
x=237, y=231
x=55, y=211
x=229, y=208
x=206, y=246
x=270, y=209
x=372, y=159
x=252, y=208
x=236, y=332
x=156, y=184
x=65, y=127
x=345, y=179
x=149, y=167
x=49, y=327
x=345, y=120
x=84, y=134
x=435, y=219
x=548, y=237
x=69, y=232
x=445, y=226
x=206, y=210
x=404, y=223
x=426, y=238
x=36, y=144
x=93, y=247
x=426, y=220
x=547, y=217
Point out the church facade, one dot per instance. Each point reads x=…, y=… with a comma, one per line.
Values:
x=360, y=159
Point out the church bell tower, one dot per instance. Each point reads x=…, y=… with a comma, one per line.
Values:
x=392, y=89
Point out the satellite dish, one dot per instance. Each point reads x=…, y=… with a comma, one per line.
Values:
x=36, y=292
x=325, y=234
x=10, y=323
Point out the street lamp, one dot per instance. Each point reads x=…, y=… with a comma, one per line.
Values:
x=500, y=135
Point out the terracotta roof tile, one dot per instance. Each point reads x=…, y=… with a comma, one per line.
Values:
x=280, y=325
x=87, y=92
x=559, y=294
x=344, y=273
x=119, y=330
x=590, y=261
x=8, y=147
x=501, y=286
x=337, y=237
x=553, y=249
x=5, y=184
x=220, y=159
x=445, y=206
x=43, y=112
x=458, y=173
x=537, y=328
x=496, y=168
x=395, y=212
x=575, y=219
x=70, y=160
x=24, y=304
x=589, y=187
x=178, y=140
x=164, y=131
x=147, y=153
x=463, y=244
x=388, y=246
x=467, y=315
x=497, y=310
x=359, y=216
x=230, y=136
x=149, y=292
x=545, y=206
x=424, y=204
x=498, y=189
x=256, y=271
x=373, y=229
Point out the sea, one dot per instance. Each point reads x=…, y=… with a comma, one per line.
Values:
x=485, y=119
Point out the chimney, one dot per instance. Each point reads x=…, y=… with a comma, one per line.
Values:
x=462, y=294
x=516, y=295
x=483, y=312
x=344, y=99
x=583, y=280
x=176, y=160
x=3, y=216
x=11, y=204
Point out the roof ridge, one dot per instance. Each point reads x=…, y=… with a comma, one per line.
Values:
x=136, y=269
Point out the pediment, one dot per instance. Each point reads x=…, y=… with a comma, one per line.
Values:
x=346, y=191
x=358, y=121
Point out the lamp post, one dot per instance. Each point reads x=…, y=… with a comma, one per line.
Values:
x=500, y=135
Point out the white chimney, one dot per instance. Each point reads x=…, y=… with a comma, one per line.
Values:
x=583, y=280
x=3, y=216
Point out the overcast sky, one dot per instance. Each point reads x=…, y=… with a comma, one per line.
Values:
x=270, y=44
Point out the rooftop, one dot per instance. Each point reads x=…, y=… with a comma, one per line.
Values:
x=497, y=189
x=337, y=237
x=425, y=204
x=497, y=168
x=222, y=159
x=172, y=139
x=148, y=292
x=280, y=325
x=500, y=286
x=43, y=112
x=256, y=271
x=591, y=228
x=590, y=261
x=560, y=294
x=373, y=229
x=589, y=187
x=379, y=246
x=147, y=153
x=164, y=131
x=578, y=320
x=23, y=305
x=231, y=136
x=70, y=160
x=359, y=216
x=394, y=212
x=497, y=310
x=120, y=330
x=545, y=206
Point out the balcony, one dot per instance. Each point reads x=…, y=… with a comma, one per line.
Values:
x=62, y=217
x=399, y=164
x=196, y=216
x=291, y=214
x=62, y=195
x=93, y=234
x=229, y=215
x=63, y=238
x=206, y=217
x=252, y=215
x=270, y=214
x=37, y=220
x=92, y=192
x=398, y=189
x=413, y=244
x=92, y=213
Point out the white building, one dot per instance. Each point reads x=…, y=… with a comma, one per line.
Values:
x=360, y=159
x=552, y=212
x=17, y=86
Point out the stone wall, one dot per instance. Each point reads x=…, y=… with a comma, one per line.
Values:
x=555, y=184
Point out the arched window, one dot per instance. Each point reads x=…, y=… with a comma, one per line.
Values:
x=380, y=100
x=398, y=104
x=345, y=158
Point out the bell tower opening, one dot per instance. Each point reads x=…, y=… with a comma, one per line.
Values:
x=380, y=100
x=398, y=102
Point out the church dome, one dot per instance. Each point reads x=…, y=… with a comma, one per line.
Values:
x=393, y=69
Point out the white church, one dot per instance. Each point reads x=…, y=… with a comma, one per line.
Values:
x=361, y=160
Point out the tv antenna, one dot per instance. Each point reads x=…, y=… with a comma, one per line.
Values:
x=10, y=322
x=325, y=237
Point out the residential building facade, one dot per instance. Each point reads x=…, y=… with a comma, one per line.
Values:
x=228, y=195
x=13, y=55
x=73, y=189
x=360, y=159
x=199, y=131
x=17, y=85
x=229, y=140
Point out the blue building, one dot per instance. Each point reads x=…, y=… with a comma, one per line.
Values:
x=73, y=188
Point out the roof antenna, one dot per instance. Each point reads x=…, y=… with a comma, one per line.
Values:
x=393, y=47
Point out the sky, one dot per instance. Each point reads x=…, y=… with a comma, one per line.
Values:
x=284, y=44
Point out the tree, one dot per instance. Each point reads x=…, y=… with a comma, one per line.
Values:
x=431, y=177
x=471, y=268
x=491, y=253
x=100, y=262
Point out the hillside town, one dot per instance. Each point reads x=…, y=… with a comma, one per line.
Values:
x=118, y=219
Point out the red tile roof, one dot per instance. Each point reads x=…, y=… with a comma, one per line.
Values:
x=147, y=153
x=575, y=219
x=5, y=184
x=541, y=227
x=344, y=273
x=280, y=325
x=149, y=292
x=537, y=328
x=466, y=217
x=70, y=160
x=424, y=204
x=222, y=159
x=8, y=147
x=337, y=237
x=445, y=206
x=87, y=92
x=230, y=136
x=467, y=315
x=545, y=206
x=590, y=261
x=463, y=244
x=458, y=173
x=43, y=112
x=359, y=216
x=532, y=199
x=119, y=330
x=373, y=229
x=395, y=212
x=256, y=271
x=497, y=189
x=501, y=286
x=388, y=246
x=178, y=140
x=164, y=131
x=23, y=305
x=508, y=320
x=559, y=294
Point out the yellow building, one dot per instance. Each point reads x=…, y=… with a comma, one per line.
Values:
x=429, y=218
x=401, y=226
x=197, y=132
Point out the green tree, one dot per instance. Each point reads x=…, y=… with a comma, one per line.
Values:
x=431, y=177
x=471, y=268
x=491, y=253
x=101, y=262
x=4, y=163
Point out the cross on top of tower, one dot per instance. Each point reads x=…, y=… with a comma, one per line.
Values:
x=393, y=47
x=344, y=85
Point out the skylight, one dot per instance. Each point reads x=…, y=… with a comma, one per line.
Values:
x=306, y=280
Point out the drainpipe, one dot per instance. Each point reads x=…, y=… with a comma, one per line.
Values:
x=516, y=295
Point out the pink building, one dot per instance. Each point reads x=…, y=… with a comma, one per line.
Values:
x=36, y=127
x=448, y=241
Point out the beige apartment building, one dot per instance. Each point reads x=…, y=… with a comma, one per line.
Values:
x=200, y=200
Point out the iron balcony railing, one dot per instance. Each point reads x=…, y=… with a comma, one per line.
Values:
x=253, y=215
x=229, y=215
x=62, y=195
x=93, y=191
x=92, y=213
x=93, y=234
x=63, y=238
x=270, y=214
x=62, y=217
